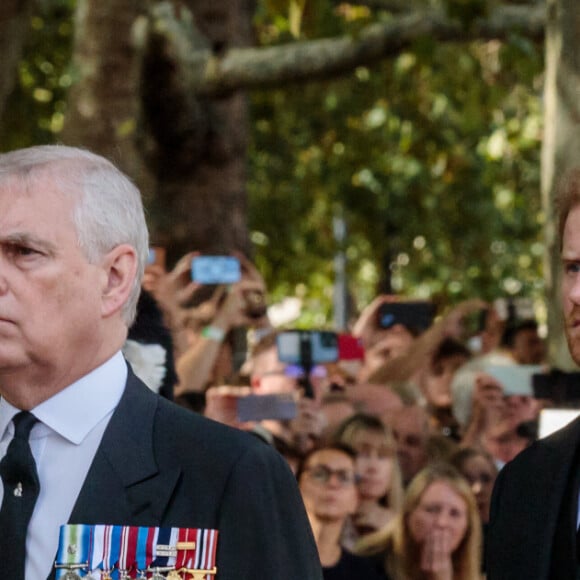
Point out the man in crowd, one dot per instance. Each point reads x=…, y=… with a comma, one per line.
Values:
x=411, y=431
x=82, y=440
x=535, y=511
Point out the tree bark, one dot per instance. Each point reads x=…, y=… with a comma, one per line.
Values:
x=561, y=150
x=104, y=105
x=14, y=23
x=201, y=143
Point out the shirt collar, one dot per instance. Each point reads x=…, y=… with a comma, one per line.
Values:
x=77, y=409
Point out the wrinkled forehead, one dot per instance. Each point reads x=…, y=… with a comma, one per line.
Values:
x=54, y=179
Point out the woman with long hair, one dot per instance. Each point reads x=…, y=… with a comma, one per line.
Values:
x=380, y=484
x=437, y=535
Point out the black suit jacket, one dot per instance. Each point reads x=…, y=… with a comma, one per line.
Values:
x=160, y=465
x=532, y=532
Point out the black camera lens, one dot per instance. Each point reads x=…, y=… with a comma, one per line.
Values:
x=255, y=304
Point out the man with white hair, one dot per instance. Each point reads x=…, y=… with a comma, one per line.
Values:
x=82, y=440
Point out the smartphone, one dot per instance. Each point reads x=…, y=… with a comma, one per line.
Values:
x=215, y=270
x=156, y=256
x=350, y=347
x=516, y=380
x=307, y=347
x=415, y=315
x=561, y=387
x=280, y=407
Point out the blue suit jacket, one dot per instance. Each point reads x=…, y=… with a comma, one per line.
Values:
x=161, y=465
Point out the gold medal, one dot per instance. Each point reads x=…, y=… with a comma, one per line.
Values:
x=174, y=575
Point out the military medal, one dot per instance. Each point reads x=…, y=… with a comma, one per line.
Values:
x=70, y=575
x=73, y=551
x=197, y=556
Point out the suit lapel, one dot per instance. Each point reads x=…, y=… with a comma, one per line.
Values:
x=124, y=484
x=553, y=496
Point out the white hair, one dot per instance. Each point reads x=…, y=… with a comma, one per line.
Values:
x=108, y=210
x=464, y=380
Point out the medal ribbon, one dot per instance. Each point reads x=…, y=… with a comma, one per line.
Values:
x=112, y=549
x=163, y=539
x=185, y=556
x=144, y=552
x=128, y=550
x=73, y=547
x=97, y=553
x=173, y=543
x=207, y=549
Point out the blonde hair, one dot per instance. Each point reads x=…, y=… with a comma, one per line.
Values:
x=403, y=553
x=362, y=422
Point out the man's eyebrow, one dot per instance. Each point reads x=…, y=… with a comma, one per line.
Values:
x=26, y=239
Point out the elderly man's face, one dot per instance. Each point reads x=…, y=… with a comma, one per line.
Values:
x=50, y=296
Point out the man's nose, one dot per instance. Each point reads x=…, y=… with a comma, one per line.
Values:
x=476, y=487
x=574, y=290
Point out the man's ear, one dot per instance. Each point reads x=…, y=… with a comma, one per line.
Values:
x=120, y=269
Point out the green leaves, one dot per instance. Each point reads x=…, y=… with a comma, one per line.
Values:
x=433, y=157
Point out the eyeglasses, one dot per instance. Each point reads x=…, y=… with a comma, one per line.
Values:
x=321, y=474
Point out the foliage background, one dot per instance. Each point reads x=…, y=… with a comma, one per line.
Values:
x=432, y=159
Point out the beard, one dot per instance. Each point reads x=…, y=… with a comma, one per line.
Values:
x=573, y=340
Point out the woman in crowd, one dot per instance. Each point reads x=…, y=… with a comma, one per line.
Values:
x=478, y=467
x=380, y=483
x=327, y=481
x=437, y=535
x=480, y=471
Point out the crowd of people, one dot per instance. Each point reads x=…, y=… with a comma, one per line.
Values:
x=395, y=448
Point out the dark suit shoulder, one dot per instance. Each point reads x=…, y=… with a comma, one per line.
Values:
x=184, y=430
x=548, y=451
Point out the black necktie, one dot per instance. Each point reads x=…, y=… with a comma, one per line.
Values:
x=21, y=487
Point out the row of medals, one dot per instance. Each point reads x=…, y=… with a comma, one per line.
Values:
x=156, y=574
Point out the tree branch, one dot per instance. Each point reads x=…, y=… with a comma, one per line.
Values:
x=207, y=74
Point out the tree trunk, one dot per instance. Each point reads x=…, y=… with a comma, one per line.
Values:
x=188, y=155
x=200, y=159
x=561, y=149
x=104, y=106
x=14, y=23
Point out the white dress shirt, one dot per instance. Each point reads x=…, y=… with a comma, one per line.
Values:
x=64, y=442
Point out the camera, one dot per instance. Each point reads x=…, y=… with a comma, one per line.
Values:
x=255, y=304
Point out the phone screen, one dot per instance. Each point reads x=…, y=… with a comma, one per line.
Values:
x=259, y=407
x=307, y=347
x=415, y=315
x=215, y=270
